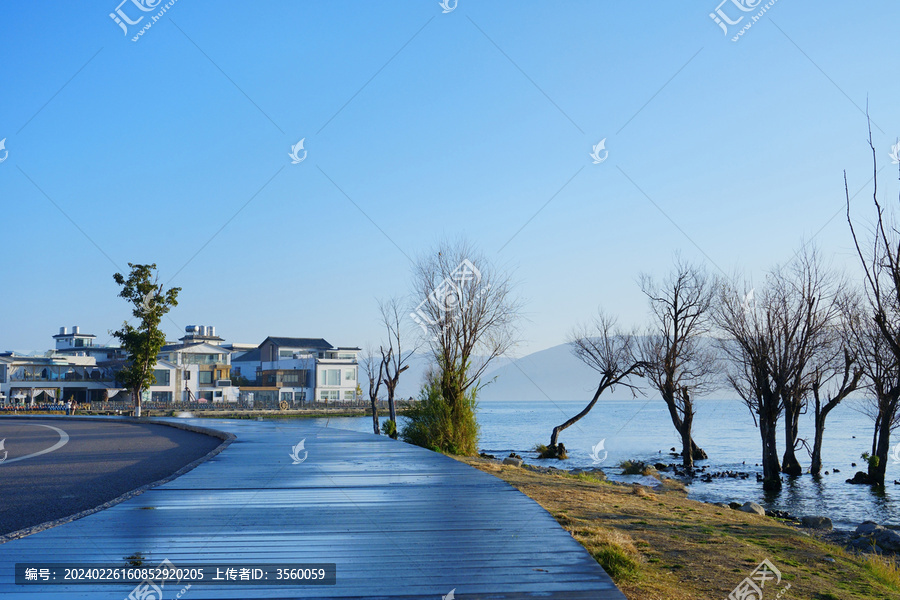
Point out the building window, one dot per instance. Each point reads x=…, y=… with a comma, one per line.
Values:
x=165, y=397
x=187, y=375
x=324, y=396
x=332, y=377
x=287, y=397
x=206, y=377
x=349, y=396
x=161, y=376
x=201, y=359
x=350, y=375
x=285, y=354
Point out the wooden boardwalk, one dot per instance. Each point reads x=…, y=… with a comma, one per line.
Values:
x=398, y=521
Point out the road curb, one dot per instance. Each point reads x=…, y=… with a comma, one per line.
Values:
x=226, y=438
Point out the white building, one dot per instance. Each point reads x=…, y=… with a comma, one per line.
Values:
x=201, y=367
x=76, y=370
x=280, y=372
x=290, y=372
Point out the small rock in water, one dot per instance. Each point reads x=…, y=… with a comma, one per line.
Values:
x=837, y=470
x=852, y=464
x=859, y=478
x=512, y=460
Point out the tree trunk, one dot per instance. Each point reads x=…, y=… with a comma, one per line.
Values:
x=137, y=402
x=393, y=410
x=690, y=451
x=816, y=466
x=883, y=447
x=554, y=436
x=687, y=448
x=790, y=464
x=877, y=429
x=374, y=402
x=697, y=451
x=771, y=466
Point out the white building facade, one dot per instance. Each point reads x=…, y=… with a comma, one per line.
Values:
x=291, y=372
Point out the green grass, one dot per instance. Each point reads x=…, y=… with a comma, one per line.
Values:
x=883, y=569
x=618, y=563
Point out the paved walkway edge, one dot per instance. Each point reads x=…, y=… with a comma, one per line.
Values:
x=226, y=438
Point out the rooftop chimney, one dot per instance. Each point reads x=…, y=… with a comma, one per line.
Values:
x=63, y=331
x=75, y=329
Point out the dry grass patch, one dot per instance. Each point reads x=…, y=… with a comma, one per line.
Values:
x=658, y=545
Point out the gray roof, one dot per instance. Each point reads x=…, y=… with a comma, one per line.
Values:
x=184, y=346
x=251, y=356
x=299, y=342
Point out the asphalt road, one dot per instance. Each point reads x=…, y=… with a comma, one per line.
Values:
x=100, y=461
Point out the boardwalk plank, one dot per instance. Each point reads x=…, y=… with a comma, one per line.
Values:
x=398, y=521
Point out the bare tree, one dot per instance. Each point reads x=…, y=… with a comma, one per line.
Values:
x=467, y=312
x=678, y=360
x=882, y=381
x=609, y=352
x=770, y=337
x=373, y=369
x=836, y=374
x=881, y=267
x=811, y=294
x=394, y=358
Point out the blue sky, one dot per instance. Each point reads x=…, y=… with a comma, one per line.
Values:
x=174, y=150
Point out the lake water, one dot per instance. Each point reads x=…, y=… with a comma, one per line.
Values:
x=641, y=429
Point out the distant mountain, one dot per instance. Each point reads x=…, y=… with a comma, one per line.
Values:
x=558, y=374
x=555, y=373
x=412, y=379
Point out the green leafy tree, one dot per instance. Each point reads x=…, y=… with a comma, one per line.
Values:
x=143, y=341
